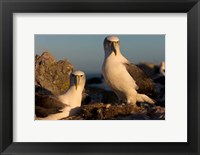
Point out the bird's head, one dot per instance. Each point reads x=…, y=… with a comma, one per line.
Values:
x=111, y=44
x=78, y=79
x=162, y=68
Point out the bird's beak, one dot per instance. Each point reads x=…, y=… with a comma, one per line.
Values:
x=113, y=48
x=76, y=81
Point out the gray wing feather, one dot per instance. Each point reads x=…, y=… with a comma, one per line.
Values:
x=44, y=112
x=144, y=82
x=47, y=104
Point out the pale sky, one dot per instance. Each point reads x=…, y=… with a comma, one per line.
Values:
x=86, y=52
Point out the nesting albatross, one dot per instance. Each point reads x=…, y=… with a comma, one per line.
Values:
x=51, y=107
x=130, y=83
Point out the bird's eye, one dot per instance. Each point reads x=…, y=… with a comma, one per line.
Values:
x=109, y=41
x=72, y=74
x=81, y=75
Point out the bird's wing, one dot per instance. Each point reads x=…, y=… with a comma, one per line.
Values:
x=42, y=90
x=48, y=101
x=44, y=112
x=144, y=82
x=47, y=104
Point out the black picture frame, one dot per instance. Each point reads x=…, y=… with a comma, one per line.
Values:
x=8, y=7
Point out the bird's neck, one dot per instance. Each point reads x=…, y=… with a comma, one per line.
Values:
x=76, y=101
x=74, y=90
x=114, y=57
x=72, y=96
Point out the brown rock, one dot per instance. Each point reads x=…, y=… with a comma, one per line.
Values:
x=100, y=111
x=149, y=68
x=49, y=73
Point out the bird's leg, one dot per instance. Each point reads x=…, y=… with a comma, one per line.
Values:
x=132, y=101
x=132, y=98
x=144, y=98
x=136, y=108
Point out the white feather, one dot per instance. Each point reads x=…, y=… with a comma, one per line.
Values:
x=116, y=74
x=72, y=98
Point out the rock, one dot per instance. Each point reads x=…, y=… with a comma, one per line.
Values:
x=159, y=79
x=94, y=80
x=100, y=111
x=86, y=99
x=98, y=103
x=41, y=90
x=108, y=105
x=149, y=68
x=52, y=75
x=101, y=95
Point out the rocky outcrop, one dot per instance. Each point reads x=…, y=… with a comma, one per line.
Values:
x=101, y=111
x=51, y=74
x=149, y=68
x=52, y=77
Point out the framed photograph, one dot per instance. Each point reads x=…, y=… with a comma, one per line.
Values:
x=99, y=77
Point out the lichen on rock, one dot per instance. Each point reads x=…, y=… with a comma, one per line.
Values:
x=51, y=74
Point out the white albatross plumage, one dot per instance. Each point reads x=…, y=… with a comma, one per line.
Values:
x=64, y=105
x=162, y=68
x=130, y=83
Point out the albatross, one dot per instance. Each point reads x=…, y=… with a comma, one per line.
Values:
x=50, y=107
x=129, y=82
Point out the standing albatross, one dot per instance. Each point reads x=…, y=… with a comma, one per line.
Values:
x=130, y=83
x=50, y=107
